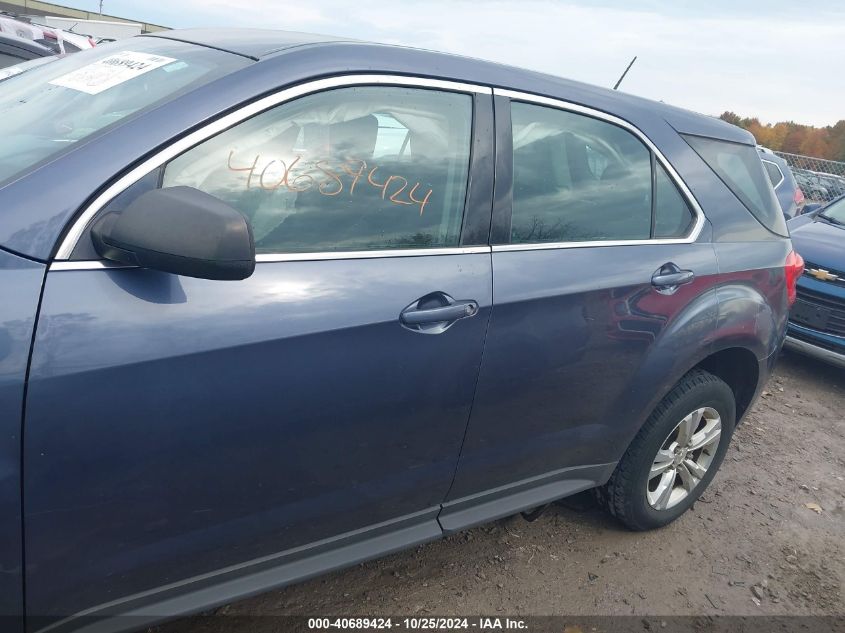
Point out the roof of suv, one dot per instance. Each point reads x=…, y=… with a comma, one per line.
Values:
x=259, y=44
x=253, y=43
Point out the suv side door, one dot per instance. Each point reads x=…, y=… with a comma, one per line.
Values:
x=590, y=226
x=178, y=426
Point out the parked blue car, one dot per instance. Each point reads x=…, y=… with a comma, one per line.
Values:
x=273, y=304
x=817, y=320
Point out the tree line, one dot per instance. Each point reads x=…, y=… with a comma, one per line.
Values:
x=794, y=138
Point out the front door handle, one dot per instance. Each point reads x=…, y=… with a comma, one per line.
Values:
x=457, y=310
x=436, y=312
x=667, y=279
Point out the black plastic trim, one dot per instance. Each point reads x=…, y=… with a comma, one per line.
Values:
x=476, y=226
x=500, y=230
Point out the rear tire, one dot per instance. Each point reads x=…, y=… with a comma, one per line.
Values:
x=675, y=455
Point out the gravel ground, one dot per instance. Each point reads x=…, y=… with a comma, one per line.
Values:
x=768, y=537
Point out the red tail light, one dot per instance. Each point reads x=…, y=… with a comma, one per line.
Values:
x=793, y=268
x=798, y=197
x=93, y=44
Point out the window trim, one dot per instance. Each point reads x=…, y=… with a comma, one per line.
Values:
x=686, y=193
x=77, y=228
x=780, y=171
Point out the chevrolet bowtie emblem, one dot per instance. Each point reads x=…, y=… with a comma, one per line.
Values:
x=822, y=275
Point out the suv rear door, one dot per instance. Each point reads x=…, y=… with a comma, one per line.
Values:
x=590, y=230
x=176, y=426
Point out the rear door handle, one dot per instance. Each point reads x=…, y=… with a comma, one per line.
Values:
x=669, y=277
x=435, y=312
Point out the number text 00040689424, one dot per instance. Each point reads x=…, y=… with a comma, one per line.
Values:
x=327, y=177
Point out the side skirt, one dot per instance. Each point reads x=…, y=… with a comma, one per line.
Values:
x=490, y=505
x=272, y=572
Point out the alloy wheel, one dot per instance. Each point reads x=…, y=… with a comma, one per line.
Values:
x=684, y=458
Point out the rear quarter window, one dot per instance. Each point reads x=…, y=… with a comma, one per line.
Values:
x=740, y=168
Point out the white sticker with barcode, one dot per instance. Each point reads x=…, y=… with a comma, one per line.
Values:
x=111, y=71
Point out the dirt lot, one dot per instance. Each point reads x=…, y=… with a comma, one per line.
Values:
x=768, y=537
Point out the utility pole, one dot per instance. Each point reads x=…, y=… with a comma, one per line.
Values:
x=614, y=87
x=101, y=7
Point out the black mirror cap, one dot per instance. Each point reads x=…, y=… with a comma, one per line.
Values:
x=179, y=230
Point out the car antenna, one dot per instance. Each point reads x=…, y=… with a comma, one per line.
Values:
x=625, y=73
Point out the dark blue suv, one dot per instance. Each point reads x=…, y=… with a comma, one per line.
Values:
x=272, y=304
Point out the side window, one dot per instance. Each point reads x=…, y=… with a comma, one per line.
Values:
x=357, y=168
x=577, y=178
x=672, y=215
x=774, y=173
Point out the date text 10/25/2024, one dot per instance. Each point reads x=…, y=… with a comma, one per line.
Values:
x=325, y=176
x=415, y=624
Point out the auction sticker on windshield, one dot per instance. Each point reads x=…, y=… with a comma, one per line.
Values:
x=111, y=71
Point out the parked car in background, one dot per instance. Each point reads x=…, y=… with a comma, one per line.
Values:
x=810, y=207
x=16, y=50
x=11, y=25
x=789, y=194
x=810, y=185
x=57, y=40
x=820, y=187
x=63, y=42
x=300, y=302
x=835, y=185
x=817, y=320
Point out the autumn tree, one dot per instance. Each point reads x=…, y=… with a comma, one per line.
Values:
x=787, y=136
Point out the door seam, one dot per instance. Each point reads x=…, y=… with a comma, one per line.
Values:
x=24, y=400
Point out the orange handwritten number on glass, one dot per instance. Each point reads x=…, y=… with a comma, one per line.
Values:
x=356, y=176
x=422, y=202
x=250, y=169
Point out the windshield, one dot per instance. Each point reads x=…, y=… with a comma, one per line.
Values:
x=835, y=211
x=45, y=110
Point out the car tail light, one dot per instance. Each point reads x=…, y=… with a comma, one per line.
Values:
x=798, y=197
x=793, y=268
x=93, y=44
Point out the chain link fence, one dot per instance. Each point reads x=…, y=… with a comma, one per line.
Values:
x=821, y=180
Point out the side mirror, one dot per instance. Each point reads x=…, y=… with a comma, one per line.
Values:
x=179, y=230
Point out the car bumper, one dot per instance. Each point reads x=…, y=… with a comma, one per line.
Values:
x=815, y=344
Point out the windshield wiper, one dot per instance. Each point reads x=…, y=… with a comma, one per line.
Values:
x=830, y=219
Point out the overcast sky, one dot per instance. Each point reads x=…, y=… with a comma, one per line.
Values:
x=776, y=59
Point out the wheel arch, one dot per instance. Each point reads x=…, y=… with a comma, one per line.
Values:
x=740, y=369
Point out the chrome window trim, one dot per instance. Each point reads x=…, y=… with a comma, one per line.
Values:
x=780, y=171
x=374, y=254
x=87, y=264
x=241, y=114
x=540, y=246
x=269, y=258
x=560, y=104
